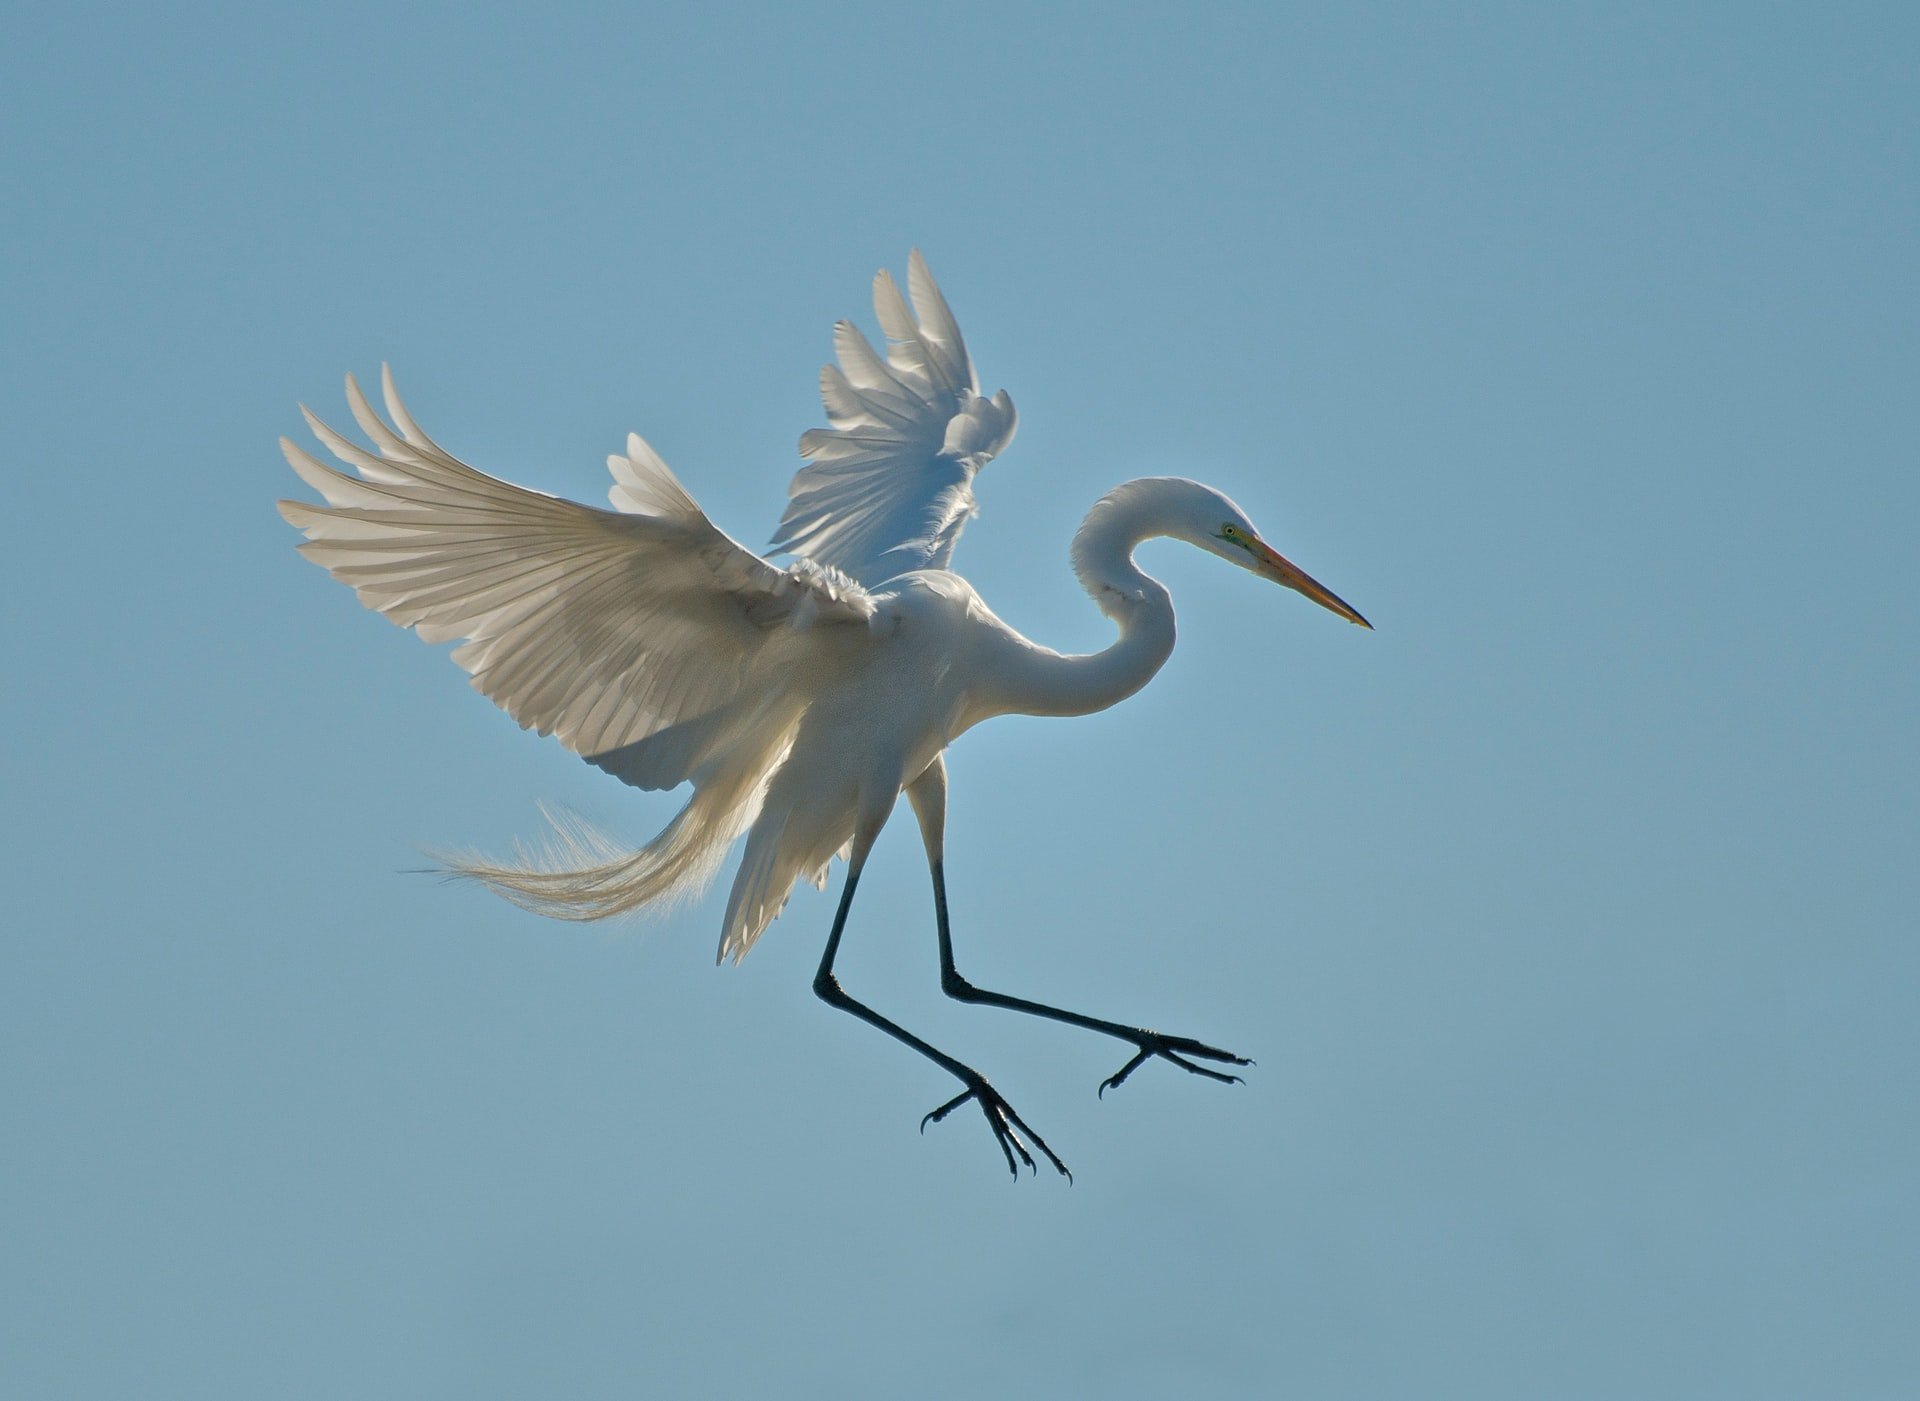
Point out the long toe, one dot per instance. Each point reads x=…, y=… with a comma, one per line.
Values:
x=1175, y=1049
x=1007, y=1126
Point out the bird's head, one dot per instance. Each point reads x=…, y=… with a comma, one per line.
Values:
x=1211, y=521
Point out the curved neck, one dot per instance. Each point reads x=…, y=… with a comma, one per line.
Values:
x=1047, y=683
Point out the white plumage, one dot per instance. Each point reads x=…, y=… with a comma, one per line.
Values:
x=798, y=702
x=891, y=481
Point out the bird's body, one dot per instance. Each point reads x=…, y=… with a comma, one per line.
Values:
x=935, y=661
x=893, y=701
x=799, y=702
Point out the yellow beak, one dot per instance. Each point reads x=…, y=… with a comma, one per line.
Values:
x=1282, y=570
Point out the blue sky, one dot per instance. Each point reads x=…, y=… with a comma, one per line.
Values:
x=1570, y=916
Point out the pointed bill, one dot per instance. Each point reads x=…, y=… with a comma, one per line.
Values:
x=1282, y=570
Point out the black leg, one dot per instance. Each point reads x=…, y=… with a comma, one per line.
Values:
x=1007, y=1126
x=1149, y=1043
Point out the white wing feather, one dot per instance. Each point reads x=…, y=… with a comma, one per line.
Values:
x=632, y=636
x=889, y=484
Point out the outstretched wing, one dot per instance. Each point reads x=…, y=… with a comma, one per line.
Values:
x=890, y=482
x=629, y=634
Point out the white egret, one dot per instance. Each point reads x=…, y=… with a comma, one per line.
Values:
x=798, y=701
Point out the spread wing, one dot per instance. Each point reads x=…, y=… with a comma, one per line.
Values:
x=889, y=483
x=630, y=634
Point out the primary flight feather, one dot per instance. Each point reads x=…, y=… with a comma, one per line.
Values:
x=798, y=701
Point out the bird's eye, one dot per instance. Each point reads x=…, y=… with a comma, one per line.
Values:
x=1231, y=532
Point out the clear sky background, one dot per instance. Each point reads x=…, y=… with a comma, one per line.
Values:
x=1571, y=916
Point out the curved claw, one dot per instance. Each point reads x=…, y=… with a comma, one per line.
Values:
x=1119, y=1076
x=1175, y=1049
x=937, y=1115
x=1007, y=1127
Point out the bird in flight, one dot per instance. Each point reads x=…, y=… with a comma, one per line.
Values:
x=798, y=700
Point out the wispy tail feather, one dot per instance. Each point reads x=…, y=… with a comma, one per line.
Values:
x=582, y=874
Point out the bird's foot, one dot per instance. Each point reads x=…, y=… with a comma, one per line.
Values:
x=1175, y=1049
x=1007, y=1126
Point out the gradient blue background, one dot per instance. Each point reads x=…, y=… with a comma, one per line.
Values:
x=1571, y=916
